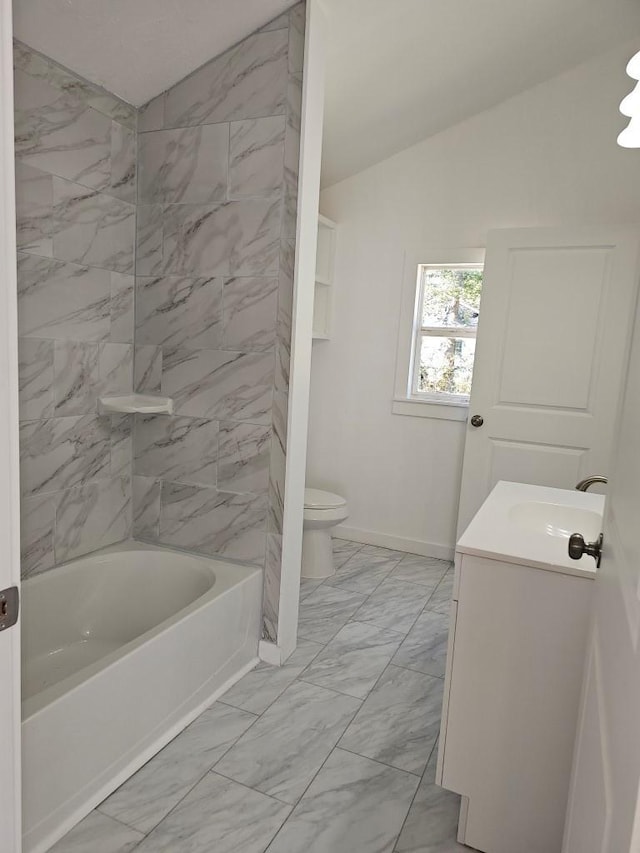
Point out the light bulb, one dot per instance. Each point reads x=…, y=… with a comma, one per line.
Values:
x=630, y=136
x=633, y=66
x=630, y=105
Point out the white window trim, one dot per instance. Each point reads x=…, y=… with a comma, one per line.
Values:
x=404, y=402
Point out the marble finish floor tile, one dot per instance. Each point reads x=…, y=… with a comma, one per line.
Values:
x=432, y=823
x=343, y=549
x=353, y=806
x=325, y=611
x=261, y=687
x=218, y=815
x=100, y=834
x=440, y=600
x=399, y=722
x=286, y=747
x=394, y=604
x=365, y=570
x=427, y=571
x=425, y=646
x=353, y=661
x=156, y=788
x=308, y=585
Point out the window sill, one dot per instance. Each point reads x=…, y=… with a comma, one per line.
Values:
x=430, y=409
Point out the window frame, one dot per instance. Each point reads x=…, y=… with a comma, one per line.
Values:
x=406, y=401
x=419, y=332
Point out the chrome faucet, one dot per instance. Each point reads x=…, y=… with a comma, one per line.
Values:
x=583, y=485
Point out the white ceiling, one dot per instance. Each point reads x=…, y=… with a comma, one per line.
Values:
x=398, y=70
x=401, y=70
x=138, y=48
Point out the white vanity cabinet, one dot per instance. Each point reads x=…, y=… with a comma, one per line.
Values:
x=517, y=641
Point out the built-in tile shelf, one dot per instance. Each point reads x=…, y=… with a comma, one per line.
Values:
x=323, y=293
x=144, y=404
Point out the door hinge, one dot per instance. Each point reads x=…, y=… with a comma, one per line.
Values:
x=9, y=607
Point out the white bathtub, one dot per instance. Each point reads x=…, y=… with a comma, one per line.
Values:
x=121, y=650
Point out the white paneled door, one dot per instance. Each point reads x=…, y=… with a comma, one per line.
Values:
x=604, y=812
x=555, y=323
x=10, y=829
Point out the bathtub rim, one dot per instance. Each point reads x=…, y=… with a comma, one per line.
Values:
x=227, y=576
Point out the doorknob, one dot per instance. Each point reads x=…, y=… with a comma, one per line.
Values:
x=477, y=421
x=578, y=547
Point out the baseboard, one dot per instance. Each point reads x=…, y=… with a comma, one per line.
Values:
x=396, y=543
x=269, y=652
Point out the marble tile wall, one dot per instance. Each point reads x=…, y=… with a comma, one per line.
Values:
x=76, y=194
x=215, y=248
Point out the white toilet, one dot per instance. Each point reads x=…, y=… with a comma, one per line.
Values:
x=322, y=511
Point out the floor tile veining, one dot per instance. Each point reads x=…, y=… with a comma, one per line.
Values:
x=334, y=752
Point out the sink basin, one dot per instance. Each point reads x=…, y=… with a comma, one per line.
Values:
x=556, y=520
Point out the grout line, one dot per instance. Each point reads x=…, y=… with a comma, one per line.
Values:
x=406, y=817
x=383, y=763
x=336, y=584
x=249, y=788
x=197, y=782
x=110, y=817
x=413, y=669
x=333, y=689
x=332, y=750
x=240, y=708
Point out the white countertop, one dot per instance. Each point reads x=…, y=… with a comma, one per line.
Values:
x=498, y=532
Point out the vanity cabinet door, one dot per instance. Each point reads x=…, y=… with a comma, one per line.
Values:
x=513, y=685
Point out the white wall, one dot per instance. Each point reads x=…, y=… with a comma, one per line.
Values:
x=545, y=157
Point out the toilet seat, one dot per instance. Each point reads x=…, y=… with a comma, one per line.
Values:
x=319, y=499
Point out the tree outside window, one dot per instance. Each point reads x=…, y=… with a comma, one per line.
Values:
x=448, y=309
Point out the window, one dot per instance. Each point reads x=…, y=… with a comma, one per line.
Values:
x=447, y=308
x=439, y=305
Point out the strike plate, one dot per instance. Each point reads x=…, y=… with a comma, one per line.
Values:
x=9, y=607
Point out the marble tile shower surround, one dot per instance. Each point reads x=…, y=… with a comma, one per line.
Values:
x=75, y=196
x=215, y=249
x=169, y=234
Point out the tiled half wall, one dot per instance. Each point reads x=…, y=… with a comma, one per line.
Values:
x=214, y=248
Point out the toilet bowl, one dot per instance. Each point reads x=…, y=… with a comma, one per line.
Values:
x=322, y=511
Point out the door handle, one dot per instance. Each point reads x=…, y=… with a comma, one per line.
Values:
x=9, y=607
x=578, y=547
x=477, y=421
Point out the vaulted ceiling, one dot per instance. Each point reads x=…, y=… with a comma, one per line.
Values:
x=398, y=70
x=138, y=48
x=402, y=70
